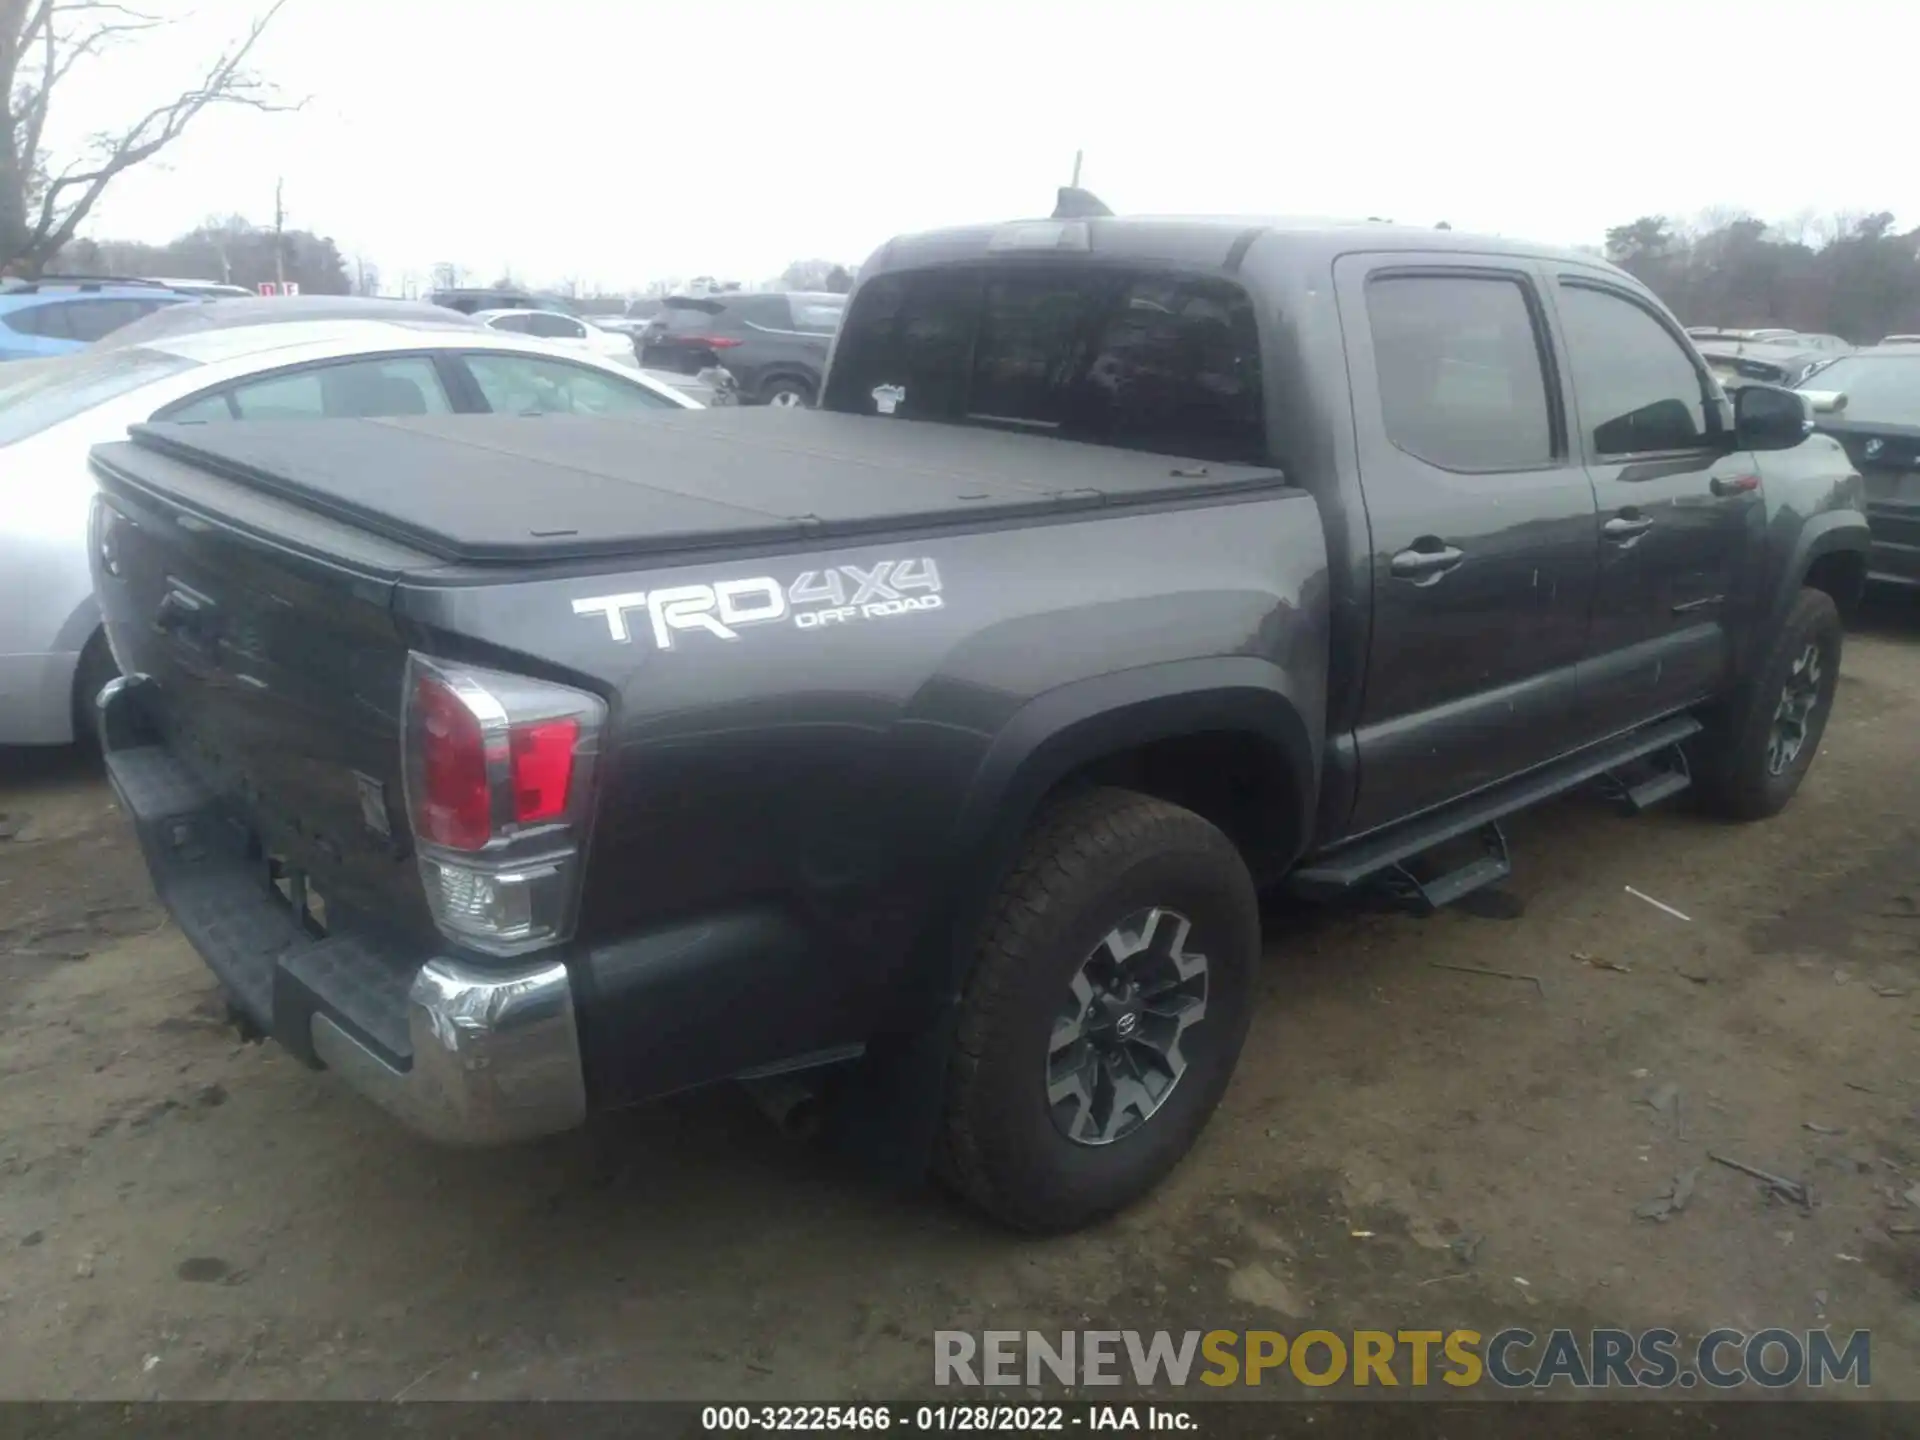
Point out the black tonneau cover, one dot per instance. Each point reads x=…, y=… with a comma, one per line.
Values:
x=477, y=488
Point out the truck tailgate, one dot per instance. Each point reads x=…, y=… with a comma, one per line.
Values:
x=272, y=668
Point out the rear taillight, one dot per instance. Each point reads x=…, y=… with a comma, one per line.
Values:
x=499, y=770
x=542, y=760
x=712, y=342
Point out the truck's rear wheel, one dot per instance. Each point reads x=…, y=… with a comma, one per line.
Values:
x=1754, y=758
x=1104, y=1013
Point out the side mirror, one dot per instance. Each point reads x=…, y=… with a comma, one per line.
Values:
x=1826, y=402
x=1765, y=417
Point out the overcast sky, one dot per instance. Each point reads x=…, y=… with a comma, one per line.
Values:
x=616, y=142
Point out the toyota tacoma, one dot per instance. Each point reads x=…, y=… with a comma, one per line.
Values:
x=942, y=738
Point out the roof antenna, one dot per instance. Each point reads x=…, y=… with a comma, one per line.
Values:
x=1073, y=203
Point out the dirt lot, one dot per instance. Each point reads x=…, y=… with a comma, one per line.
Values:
x=185, y=1216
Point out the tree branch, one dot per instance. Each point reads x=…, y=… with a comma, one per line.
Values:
x=226, y=82
x=60, y=56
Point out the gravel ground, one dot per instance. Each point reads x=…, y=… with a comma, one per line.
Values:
x=185, y=1216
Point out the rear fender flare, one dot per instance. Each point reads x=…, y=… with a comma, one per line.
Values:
x=895, y=1118
x=1068, y=728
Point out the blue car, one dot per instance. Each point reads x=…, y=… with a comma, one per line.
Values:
x=52, y=316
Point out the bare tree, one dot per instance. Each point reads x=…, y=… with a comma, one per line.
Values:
x=42, y=44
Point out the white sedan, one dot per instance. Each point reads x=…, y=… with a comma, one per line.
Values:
x=53, y=657
x=569, y=330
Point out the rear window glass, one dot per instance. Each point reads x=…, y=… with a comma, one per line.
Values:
x=36, y=394
x=689, y=317
x=1142, y=360
x=818, y=316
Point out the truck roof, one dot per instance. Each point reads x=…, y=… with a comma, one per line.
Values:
x=503, y=488
x=1210, y=241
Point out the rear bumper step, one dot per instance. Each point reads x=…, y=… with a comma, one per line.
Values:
x=462, y=1054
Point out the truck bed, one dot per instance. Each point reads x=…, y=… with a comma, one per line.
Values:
x=503, y=488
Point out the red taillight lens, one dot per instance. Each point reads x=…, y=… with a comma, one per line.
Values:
x=542, y=769
x=499, y=771
x=712, y=342
x=455, y=802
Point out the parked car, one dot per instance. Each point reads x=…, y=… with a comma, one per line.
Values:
x=946, y=733
x=1798, y=339
x=1768, y=362
x=1717, y=332
x=1831, y=344
x=242, y=313
x=563, y=330
x=1869, y=401
x=53, y=658
x=467, y=300
x=774, y=343
x=209, y=289
x=58, y=315
x=1900, y=340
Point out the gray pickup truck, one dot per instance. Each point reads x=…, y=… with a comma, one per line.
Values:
x=939, y=741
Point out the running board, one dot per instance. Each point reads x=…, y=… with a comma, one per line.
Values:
x=1404, y=886
x=1341, y=870
x=1644, y=783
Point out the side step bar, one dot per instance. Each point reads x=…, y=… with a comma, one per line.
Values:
x=1643, y=783
x=1386, y=854
x=1403, y=885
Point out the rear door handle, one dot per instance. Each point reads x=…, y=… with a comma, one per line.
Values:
x=1625, y=527
x=1426, y=566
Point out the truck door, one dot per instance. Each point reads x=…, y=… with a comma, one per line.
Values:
x=1482, y=525
x=1681, y=514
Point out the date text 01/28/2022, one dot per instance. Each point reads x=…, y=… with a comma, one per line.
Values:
x=939, y=1418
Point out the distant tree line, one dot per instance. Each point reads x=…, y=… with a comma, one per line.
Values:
x=1856, y=277
x=232, y=251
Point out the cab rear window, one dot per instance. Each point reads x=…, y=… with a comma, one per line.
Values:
x=1143, y=360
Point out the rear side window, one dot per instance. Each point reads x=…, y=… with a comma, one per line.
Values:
x=49, y=322
x=529, y=385
x=689, y=317
x=1461, y=381
x=360, y=390
x=554, y=327
x=1638, y=389
x=91, y=320
x=817, y=317
x=521, y=324
x=1141, y=360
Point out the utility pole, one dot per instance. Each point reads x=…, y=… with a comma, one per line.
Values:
x=1076, y=168
x=279, y=237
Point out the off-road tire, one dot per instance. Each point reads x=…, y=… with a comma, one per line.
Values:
x=1731, y=772
x=1089, y=861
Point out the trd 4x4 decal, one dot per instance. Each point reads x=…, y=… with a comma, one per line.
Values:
x=813, y=600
